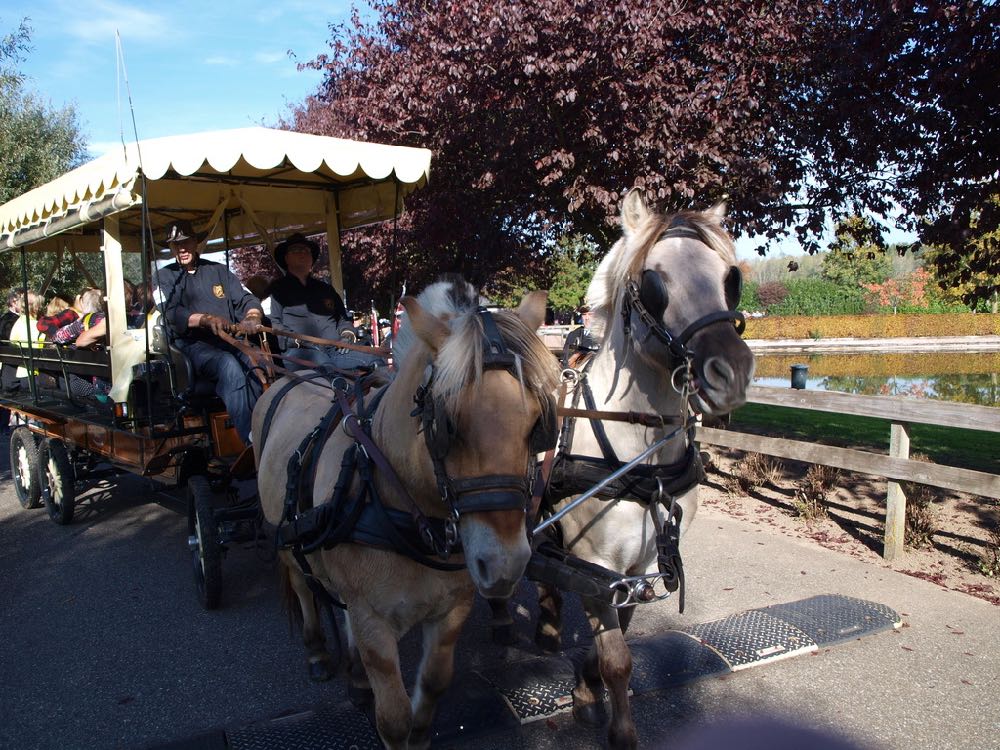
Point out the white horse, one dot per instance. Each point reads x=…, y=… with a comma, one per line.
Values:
x=665, y=298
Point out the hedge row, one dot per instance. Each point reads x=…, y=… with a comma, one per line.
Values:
x=876, y=326
x=872, y=364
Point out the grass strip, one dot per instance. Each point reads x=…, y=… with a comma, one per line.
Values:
x=967, y=449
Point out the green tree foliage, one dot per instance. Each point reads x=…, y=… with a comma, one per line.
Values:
x=819, y=297
x=37, y=144
x=854, y=257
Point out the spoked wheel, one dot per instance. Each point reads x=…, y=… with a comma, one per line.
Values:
x=204, y=541
x=24, y=467
x=57, y=481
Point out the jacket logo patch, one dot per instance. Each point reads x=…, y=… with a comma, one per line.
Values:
x=328, y=303
x=218, y=291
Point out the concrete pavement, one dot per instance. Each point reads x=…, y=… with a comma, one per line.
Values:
x=104, y=645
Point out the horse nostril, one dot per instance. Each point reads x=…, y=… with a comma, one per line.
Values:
x=482, y=569
x=718, y=372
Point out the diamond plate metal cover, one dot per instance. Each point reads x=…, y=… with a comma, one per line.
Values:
x=340, y=727
x=752, y=637
x=536, y=688
x=832, y=618
x=470, y=707
x=671, y=659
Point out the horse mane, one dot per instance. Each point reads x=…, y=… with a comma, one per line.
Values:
x=459, y=362
x=627, y=258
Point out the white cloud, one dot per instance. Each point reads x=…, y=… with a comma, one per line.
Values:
x=221, y=60
x=98, y=21
x=270, y=58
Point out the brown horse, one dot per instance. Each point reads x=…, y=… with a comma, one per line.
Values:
x=448, y=477
x=664, y=299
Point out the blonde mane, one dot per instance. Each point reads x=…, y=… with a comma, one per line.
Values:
x=459, y=362
x=627, y=258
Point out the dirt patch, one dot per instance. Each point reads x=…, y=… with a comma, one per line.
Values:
x=961, y=533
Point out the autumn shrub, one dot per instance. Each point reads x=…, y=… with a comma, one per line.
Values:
x=753, y=470
x=988, y=562
x=921, y=515
x=771, y=293
x=811, y=493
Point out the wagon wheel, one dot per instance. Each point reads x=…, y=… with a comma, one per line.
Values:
x=24, y=467
x=57, y=481
x=206, y=546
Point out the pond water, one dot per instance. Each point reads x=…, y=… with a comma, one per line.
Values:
x=965, y=377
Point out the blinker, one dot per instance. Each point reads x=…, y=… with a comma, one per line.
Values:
x=653, y=293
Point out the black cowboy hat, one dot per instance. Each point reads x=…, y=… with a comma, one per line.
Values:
x=180, y=230
x=296, y=239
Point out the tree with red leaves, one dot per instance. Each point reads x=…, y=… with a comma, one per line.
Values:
x=541, y=115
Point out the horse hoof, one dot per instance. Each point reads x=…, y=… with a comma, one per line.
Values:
x=590, y=714
x=321, y=671
x=503, y=635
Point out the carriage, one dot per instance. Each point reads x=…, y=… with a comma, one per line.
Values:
x=454, y=475
x=246, y=187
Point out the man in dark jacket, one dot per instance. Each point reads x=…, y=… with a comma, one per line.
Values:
x=203, y=300
x=301, y=303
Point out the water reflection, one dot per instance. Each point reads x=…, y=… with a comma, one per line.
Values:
x=970, y=378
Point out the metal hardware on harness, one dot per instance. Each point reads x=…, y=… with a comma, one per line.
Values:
x=637, y=590
x=668, y=550
x=610, y=478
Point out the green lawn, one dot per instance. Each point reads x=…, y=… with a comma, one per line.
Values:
x=970, y=449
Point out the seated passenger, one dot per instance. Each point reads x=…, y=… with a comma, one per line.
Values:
x=25, y=329
x=89, y=304
x=301, y=303
x=202, y=301
x=60, y=312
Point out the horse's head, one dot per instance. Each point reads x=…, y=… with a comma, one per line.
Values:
x=485, y=410
x=674, y=285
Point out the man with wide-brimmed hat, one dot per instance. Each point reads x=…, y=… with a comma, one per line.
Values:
x=580, y=339
x=202, y=301
x=301, y=303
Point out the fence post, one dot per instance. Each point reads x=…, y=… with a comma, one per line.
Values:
x=895, y=505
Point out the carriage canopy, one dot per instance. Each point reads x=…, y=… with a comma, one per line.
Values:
x=235, y=183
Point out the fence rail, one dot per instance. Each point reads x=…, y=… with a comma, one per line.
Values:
x=896, y=467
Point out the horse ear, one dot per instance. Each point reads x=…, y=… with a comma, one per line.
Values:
x=532, y=308
x=431, y=329
x=634, y=211
x=717, y=213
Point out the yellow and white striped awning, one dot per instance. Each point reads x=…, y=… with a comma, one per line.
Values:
x=255, y=176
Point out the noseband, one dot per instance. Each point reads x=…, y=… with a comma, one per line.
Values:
x=653, y=294
x=494, y=492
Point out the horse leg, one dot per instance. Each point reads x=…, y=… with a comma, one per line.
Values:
x=501, y=622
x=376, y=645
x=436, y=668
x=359, y=690
x=549, y=628
x=610, y=662
x=321, y=665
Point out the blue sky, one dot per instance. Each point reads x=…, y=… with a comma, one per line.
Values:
x=191, y=65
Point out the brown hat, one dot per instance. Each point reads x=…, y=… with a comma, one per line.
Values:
x=296, y=239
x=180, y=230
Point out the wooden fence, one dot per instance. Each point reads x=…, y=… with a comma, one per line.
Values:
x=896, y=467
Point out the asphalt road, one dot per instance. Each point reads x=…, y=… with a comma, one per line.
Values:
x=104, y=645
